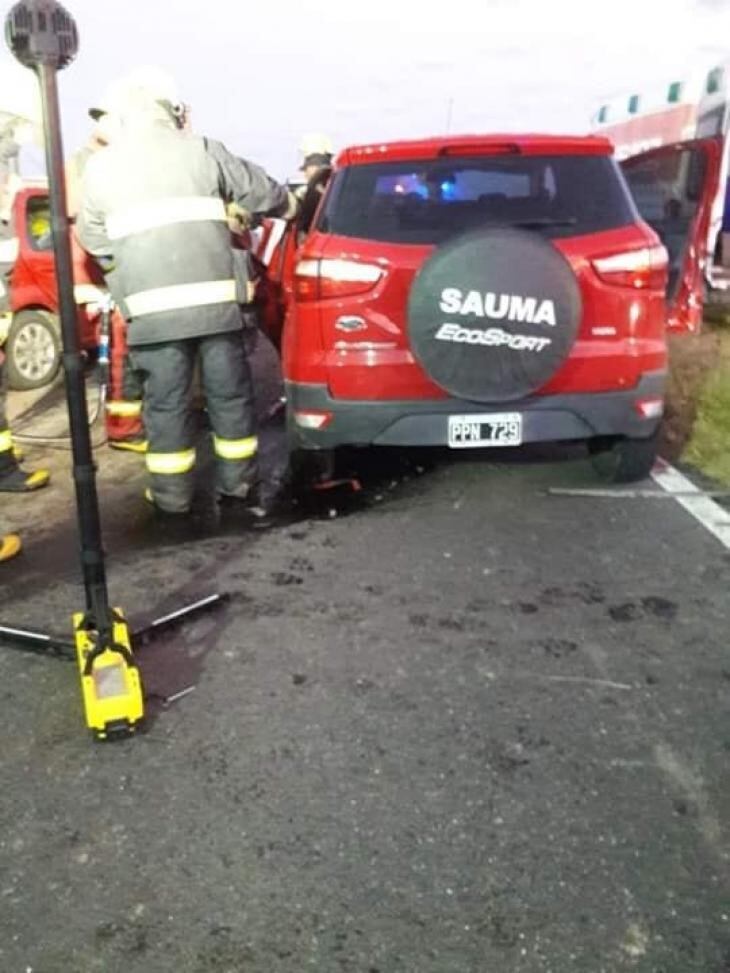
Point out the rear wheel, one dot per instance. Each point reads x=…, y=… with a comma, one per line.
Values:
x=32, y=350
x=306, y=466
x=311, y=466
x=624, y=460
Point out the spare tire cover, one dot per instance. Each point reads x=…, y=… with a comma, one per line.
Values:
x=493, y=314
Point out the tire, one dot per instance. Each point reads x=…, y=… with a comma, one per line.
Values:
x=32, y=350
x=311, y=466
x=493, y=314
x=624, y=460
x=307, y=466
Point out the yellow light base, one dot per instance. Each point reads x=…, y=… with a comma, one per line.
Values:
x=112, y=692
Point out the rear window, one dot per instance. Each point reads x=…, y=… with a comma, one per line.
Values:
x=427, y=202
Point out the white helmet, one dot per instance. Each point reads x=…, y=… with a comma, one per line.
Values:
x=157, y=83
x=141, y=88
x=316, y=144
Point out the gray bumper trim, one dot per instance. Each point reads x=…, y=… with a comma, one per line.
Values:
x=424, y=423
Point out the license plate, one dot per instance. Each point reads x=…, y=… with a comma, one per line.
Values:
x=497, y=429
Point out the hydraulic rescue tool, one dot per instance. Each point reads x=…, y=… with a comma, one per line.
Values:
x=43, y=37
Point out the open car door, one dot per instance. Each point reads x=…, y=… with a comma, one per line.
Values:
x=674, y=188
x=274, y=245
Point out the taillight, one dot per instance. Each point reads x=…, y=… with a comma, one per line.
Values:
x=644, y=269
x=318, y=279
x=311, y=419
x=306, y=280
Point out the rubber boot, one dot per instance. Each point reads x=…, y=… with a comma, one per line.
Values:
x=10, y=545
x=171, y=514
x=20, y=481
x=260, y=499
x=137, y=444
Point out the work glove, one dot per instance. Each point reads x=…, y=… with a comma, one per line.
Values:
x=106, y=263
x=239, y=219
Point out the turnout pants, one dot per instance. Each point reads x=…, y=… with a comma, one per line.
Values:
x=167, y=372
x=124, y=405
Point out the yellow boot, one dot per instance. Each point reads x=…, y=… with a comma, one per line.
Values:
x=10, y=545
x=21, y=481
x=139, y=445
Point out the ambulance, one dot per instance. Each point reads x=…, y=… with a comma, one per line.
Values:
x=666, y=135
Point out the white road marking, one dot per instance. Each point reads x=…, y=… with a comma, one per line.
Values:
x=618, y=494
x=703, y=508
x=586, y=681
x=570, y=680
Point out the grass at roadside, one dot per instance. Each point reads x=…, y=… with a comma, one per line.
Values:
x=709, y=442
x=692, y=359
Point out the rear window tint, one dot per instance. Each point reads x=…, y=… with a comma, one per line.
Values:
x=425, y=203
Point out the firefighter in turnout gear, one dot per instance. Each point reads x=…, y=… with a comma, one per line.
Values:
x=154, y=208
x=123, y=407
x=317, y=168
x=317, y=154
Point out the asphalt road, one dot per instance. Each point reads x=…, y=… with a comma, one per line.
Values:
x=451, y=723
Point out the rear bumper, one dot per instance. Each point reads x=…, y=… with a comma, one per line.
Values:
x=424, y=423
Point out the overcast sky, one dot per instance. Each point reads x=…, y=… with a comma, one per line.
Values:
x=260, y=75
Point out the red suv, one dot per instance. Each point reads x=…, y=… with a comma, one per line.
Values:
x=30, y=312
x=493, y=291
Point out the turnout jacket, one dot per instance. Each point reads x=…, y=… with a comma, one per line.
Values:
x=153, y=211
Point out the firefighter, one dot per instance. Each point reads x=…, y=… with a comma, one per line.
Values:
x=317, y=169
x=123, y=408
x=124, y=426
x=317, y=155
x=154, y=208
x=247, y=271
x=101, y=134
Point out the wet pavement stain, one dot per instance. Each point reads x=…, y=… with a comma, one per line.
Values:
x=651, y=606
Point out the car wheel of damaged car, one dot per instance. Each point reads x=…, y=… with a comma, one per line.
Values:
x=493, y=314
x=32, y=350
x=624, y=460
